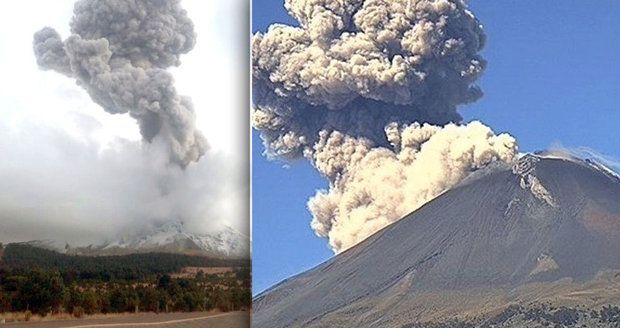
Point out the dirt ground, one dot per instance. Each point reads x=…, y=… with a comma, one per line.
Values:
x=167, y=320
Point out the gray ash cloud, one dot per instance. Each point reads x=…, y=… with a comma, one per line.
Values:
x=119, y=52
x=368, y=91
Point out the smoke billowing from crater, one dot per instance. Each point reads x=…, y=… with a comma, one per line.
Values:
x=355, y=66
x=368, y=91
x=371, y=187
x=119, y=52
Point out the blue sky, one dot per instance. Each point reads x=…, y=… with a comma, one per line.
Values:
x=553, y=77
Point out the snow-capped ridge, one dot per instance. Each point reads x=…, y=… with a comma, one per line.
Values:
x=525, y=167
x=584, y=157
x=174, y=237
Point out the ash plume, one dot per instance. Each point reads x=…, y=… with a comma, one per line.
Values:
x=119, y=52
x=371, y=187
x=355, y=66
x=368, y=91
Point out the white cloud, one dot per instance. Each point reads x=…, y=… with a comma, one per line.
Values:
x=72, y=170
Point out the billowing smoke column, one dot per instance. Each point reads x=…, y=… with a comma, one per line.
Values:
x=119, y=51
x=372, y=187
x=368, y=91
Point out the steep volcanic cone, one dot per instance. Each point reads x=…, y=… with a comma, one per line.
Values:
x=546, y=229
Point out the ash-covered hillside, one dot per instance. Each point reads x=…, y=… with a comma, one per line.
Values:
x=174, y=237
x=545, y=230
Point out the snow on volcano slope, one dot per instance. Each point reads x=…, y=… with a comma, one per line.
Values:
x=173, y=237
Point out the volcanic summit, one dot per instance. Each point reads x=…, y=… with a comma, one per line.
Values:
x=545, y=230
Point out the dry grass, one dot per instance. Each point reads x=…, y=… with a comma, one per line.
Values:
x=190, y=272
x=12, y=317
x=26, y=316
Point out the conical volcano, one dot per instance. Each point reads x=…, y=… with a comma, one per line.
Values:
x=545, y=230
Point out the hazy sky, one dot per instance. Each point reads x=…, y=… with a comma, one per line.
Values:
x=552, y=79
x=71, y=171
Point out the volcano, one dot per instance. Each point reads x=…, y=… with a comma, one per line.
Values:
x=171, y=237
x=544, y=231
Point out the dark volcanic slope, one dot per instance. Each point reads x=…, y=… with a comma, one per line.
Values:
x=542, y=220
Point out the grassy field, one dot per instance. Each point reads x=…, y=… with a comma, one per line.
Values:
x=191, y=272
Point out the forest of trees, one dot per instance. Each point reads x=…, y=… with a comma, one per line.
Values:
x=41, y=281
x=107, y=268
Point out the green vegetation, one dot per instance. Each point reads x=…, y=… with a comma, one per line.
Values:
x=43, y=281
x=107, y=268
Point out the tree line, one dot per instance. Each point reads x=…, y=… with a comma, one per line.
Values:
x=107, y=268
x=134, y=283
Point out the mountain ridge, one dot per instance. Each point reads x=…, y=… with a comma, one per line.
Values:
x=492, y=236
x=171, y=237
